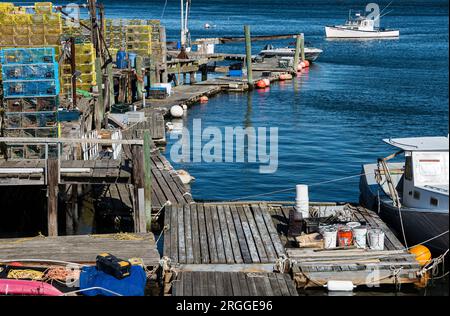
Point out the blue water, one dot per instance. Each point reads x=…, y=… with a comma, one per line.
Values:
x=331, y=119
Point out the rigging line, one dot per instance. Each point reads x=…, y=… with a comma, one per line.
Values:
x=164, y=9
x=386, y=7
x=293, y=189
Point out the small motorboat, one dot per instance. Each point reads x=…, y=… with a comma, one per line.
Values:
x=412, y=196
x=359, y=26
x=311, y=53
x=27, y=288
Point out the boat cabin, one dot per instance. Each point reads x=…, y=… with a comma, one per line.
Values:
x=426, y=178
x=361, y=23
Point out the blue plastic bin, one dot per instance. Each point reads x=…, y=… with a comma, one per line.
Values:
x=121, y=59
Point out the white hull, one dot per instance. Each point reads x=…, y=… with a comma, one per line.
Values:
x=336, y=32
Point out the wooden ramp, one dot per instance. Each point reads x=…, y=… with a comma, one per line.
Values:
x=166, y=184
x=315, y=267
x=221, y=234
x=233, y=284
x=81, y=249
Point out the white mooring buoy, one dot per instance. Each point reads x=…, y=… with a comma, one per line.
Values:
x=340, y=286
x=176, y=111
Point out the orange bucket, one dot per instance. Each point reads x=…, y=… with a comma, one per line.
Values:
x=345, y=237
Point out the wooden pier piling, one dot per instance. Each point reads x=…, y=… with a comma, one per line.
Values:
x=248, y=53
x=298, y=45
x=52, y=192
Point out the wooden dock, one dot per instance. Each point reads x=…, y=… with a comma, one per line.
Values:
x=231, y=248
x=220, y=234
x=312, y=267
x=81, y=249
x=233, y=284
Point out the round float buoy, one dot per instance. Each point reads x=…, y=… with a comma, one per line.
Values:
x=184, y=106
x=422, y=254
x=204, y=99
x=176, y=111
x=267, y=82
x=303, y=64
x=306, y=62
x=261, y=84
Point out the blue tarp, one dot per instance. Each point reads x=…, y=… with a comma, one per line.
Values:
x=133, y=285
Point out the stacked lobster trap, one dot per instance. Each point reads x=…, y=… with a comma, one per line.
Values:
x=30, y=92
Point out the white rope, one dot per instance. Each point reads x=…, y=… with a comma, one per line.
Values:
x=92, y=288
x=403, y=227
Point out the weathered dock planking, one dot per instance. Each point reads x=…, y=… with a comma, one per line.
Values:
x=32, y=172
x=81, y=249
x=220, y=234
x=233, y=284
x=166, y=184
x=311, y=268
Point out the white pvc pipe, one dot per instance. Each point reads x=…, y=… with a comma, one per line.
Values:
x=302, y=200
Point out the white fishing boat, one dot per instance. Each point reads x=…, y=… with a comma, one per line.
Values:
x=360, y=26
x=311, y=53
x=412, y=196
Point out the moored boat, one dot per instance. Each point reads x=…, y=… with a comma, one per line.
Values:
x=359, y=26
x=311, y=53
x=412, y=196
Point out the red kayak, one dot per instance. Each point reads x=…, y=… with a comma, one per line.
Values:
x=23, y=287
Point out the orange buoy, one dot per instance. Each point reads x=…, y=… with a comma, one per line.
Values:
x=306, y=62
x=267, y=82
x=422, y=254
x=261, y=84
x=204, y=99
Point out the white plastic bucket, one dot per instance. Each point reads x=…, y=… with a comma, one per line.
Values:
x=302, y=200
x=376, y=239
x=360, y=237
x=329, y=238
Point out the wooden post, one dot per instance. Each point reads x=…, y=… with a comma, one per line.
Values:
x=73, y=67
x=162, y=39
x=99, y=105
x=139, y=191
x=302, y=46
x=139, y=83
x=109, y=72
x=297, y=52
x=148, y=178
x=72, y=210
x=192, y=79
x=204, y=70
x=248, y=53
x=52, y=196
